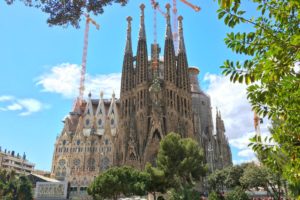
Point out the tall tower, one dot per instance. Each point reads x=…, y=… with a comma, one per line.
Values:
x=155, y=104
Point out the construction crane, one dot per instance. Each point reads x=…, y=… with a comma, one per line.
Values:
x=175, y=24
x=89, y=20
x=196, y=8
x=156, y=7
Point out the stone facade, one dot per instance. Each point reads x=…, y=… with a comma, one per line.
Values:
x=85, y=146
x=158, y=96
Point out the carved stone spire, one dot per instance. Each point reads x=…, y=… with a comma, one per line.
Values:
x=169, y=53
x=142, y=55
x=168, y=31
x=142, y=33
x=182, y=64
x=127, y=71
x=181, y=47
x=128, y=48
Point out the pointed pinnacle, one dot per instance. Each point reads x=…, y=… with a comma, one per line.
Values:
x=128, y=41
x=142, y=33
x=181, y=47
x=168, y=31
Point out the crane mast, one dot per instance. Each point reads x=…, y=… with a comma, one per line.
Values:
x=79, y=99
x=196, y=8
x=156, y=7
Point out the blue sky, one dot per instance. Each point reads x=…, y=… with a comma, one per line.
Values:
x=37, y=60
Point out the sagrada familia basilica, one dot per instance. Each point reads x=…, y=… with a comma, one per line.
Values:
x=159, y=95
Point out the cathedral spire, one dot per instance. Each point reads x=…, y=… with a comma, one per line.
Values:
x=142, y=33
x=181, y=47
x=182, y=64
x=168, y=31
x=169, y=53
x=128, y=48
x=127, y=71
x=142, y=55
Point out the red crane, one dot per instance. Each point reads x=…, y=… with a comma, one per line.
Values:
x=155, y=6
x=83, y=64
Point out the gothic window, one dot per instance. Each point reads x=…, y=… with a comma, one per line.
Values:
x=99, y=122
x=64, y=171
x=104, y=163
x=76, y=162
x=132, y=156
x=203, y=103
x=112, y=121
x=64, y=142
x=106, y=141
x=91, y=164
x=78, y=142
x=156, y=135
x=62, y=162
x=92, y=142
x=87, y=122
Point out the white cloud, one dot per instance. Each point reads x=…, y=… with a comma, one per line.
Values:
x=64, y=79
x=14, y=106
x=30, y=106
x=24, y=107
x=231, y=100
x=5, y=98
x=240, y=161
x=248, y=153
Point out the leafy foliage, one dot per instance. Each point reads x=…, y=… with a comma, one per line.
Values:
x=181, y=160
x=118, y=181
x=237, y=194
x=185, y=193
x=13, y=187
x=254, y=177
x=69, y=12
x=157, y=181
x=216, y=180
x=214, y=196
x=272, y=48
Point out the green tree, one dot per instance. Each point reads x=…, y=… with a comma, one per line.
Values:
x=13, y=187
x=233, y=175
x=254, y=177
x=213, y=195
x=216, y=180
x=156, y=182
x=118, y=181
x=181, y=160
x=272, y=49
x=237, y=194
x=184, y=193
x=24, y=189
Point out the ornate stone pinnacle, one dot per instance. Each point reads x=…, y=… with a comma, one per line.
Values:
x=180, y=18
x=142, y=7
x=168, y=6
x=142, y=33
x=129, y=19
